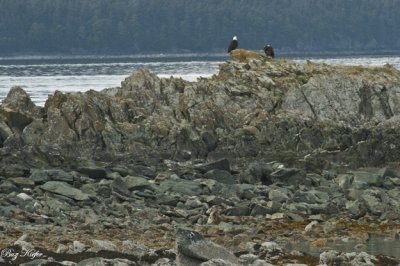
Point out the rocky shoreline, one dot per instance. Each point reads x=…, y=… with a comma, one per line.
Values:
x=264, y=154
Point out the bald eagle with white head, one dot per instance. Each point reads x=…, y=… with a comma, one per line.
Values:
x=269, y=51
x=233, y=45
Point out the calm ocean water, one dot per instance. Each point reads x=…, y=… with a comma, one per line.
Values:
x=40, y=77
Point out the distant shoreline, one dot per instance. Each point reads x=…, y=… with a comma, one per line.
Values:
x=280, y=54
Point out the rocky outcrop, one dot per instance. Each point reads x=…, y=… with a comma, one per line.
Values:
x=262, y=154
x=254, y=107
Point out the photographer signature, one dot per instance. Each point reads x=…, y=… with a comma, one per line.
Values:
x=13, y=254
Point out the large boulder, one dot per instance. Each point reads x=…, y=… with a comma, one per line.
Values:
x=17, y=111
x=193, y=249
x=62, y=188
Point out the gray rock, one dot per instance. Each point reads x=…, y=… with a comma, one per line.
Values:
x=375, y=201
x=391, y=182
x=222, y=164
x=344, y=181
x=356, y=209
x=106, y=262
x=310, y=197
x=18, y=99
x=164, y=262
x=261, y=263
x=120, y=187
x=24, y=245
x=332, y=257
x=69, y=250
x=142, y=170
x=62, y=248
x=68, y=263
x=271, y=246
x=17, y=119
x=101, y=189
x=7, y=187
x=278, y=216
x=292, y=176
x=237, y=211
x=247, y=259
x=180, y=186
x=330, y=226
x=92, y=189
x=24, y=197
x=248, y=191
x=40, y=176
x=210, y=140
x=5, y=131
x=257, y=172
x=261, y=210
x=22, y=182
x=64, y=189
x=394, y=193
x=221, y=176
x=9, y=211
x=98, y=245
x=299, y=208
x=363, y=258
x=56, y=206
x=252, y=260
x=354, y=194
x=133, y=248
x=22, y=200
x=94, y=172
x=137, y=183
x=170, y=200
x=279, y=195
x=193, y=249
x=38, y=262
x=218, y=262
x=312, y=228
x=216, y=188
x=194, y=202
x=14, y=169
x=367, y=178
x=89, y=216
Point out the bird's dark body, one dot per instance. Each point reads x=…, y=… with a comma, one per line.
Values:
x=233, y=45
x=269, y=50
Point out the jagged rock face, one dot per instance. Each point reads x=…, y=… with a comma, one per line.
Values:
x=18, y=99
x=16, y=112
x=253, y=107
x=352, y=99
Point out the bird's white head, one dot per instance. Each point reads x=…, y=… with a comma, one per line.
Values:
x=235, y=38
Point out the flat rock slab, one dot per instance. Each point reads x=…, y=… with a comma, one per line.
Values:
x=64, y=189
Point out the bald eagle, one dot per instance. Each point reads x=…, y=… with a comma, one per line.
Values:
x=233, y=45
x=269, y=50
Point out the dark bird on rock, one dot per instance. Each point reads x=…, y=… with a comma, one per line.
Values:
x=233, y=45
x=269, y=50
